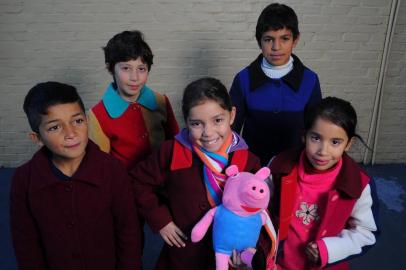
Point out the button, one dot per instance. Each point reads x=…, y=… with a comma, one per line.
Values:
x=68, y=188
x=334, y=198
x=203, y=206
x=70, y=224
x=323, y=233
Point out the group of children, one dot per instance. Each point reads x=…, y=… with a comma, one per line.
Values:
x=80, y=204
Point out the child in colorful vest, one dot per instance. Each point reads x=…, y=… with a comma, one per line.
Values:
x=131, y=119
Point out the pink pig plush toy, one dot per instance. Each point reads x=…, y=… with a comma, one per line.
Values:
x=238, y=220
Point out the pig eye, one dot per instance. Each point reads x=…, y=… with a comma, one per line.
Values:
x=235, y=175
x=261, y=191
x=254, y=188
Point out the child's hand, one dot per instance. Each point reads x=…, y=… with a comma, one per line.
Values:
x=235, y=259
x=242, y=260
x=172, y=235
x=312, y=252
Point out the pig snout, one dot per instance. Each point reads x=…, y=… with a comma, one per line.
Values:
x=256, y=191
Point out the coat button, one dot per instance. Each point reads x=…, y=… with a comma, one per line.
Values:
x=68, y=188
x=203, y=206
x=323, y=233
x=334, y=198
x=70, y=224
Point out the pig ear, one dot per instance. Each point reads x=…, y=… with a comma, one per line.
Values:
x=263, y=173
x=232, y=170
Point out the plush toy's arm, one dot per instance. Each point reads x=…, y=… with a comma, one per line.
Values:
x=263, y=217
x=200, y=229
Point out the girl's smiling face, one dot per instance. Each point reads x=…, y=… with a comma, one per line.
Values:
x=325, y=144
x=209, y=124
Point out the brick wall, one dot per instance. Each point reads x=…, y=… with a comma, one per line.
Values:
x=391, y=144
x=342, y=40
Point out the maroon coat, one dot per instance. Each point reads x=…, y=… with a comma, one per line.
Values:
x=184, y=201
x=88, y=222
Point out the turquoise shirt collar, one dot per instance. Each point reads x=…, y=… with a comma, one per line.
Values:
x=116, y=105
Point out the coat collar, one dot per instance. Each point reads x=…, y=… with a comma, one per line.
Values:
x=88, y=171
x=238, y=142
x=348, y=180
x=258, y=77
x=116, y=105
x=182, y=156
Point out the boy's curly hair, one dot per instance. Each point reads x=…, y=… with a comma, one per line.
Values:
x=125, y=46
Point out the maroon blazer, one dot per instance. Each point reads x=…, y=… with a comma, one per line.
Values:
x=88, y=222
x=165, y=195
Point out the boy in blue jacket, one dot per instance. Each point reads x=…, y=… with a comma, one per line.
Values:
x=272, y=93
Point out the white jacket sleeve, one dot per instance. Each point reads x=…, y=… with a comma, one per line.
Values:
x=360, y=232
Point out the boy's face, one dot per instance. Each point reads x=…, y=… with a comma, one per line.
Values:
x=277, y=46
x=130, y=77
x=63, y=130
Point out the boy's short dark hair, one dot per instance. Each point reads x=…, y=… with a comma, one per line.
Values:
x=275, y=17
x=125, y=46
x=43, y=95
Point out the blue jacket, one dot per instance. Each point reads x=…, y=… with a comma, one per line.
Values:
x=271, y=110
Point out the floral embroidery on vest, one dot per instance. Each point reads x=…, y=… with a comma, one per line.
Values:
x=308, y=212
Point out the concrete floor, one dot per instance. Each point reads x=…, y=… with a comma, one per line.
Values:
x=387, y=254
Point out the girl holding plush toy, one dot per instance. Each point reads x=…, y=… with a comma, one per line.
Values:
x=324, y=204
x=188, y=173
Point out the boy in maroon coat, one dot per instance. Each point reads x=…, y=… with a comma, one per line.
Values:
x=71, y=204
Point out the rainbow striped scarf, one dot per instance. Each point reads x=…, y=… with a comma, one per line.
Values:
x=214, y=163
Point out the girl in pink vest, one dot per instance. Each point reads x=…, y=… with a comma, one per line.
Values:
x=324, y=204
